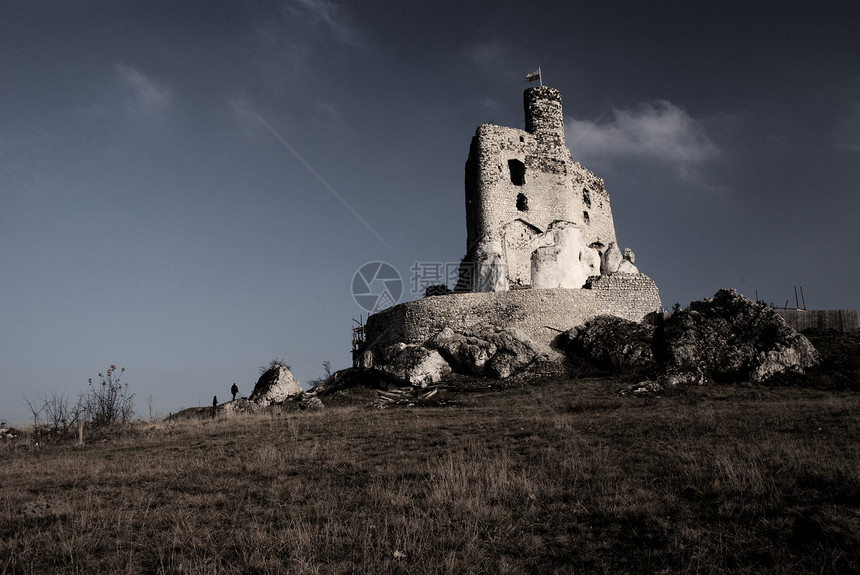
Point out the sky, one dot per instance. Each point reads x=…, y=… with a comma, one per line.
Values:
x=187, y=188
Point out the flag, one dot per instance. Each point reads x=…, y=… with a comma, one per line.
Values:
x=531, y=77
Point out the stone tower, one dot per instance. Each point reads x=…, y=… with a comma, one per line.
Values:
x=534, y=217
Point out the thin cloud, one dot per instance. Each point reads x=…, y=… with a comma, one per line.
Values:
x=659, y=132
x=488, y=55
x=143, y=96
x=493, y=57
x=330, y=15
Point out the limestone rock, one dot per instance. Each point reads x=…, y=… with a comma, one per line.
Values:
x=612, y=342
x=486, y=350
x=275, y=385
x=610, y=260
x=490, y=270
x=467, y=354
x=626, y=266
x=414, y=364
x=238, y=406
x=646, y=388
x=311, y=403
x=560, y=258
x=730, y=336
x=727, y=337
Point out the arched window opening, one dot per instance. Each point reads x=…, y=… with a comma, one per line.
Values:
x=586, y=197
x=522, y=203
x=518, y=172
x=585, y=217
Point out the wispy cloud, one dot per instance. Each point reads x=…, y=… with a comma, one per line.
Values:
x=332, y=16
x=143, y=96
x=493, y=57
x=488, y=54
x=659, y=132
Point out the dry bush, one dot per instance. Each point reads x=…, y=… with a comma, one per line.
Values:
x=108, y=401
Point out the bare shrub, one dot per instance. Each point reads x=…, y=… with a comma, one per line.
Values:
x=108, y=401
x=61, y=414
x=272, y=365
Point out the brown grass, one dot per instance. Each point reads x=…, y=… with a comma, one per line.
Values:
x=559, y=478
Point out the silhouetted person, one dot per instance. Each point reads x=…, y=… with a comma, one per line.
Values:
x=215, y=401
x=234, y=390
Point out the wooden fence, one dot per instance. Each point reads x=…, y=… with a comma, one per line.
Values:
x=844, y=320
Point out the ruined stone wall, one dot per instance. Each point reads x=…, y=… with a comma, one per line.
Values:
x=520, y=181
x=631, y=296
x=540, y=314
x=492, y=195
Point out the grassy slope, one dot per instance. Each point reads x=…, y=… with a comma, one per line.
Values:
x=563, y=477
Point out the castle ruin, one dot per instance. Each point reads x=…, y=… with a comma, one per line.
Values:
x=534, y=217
x=542, y=255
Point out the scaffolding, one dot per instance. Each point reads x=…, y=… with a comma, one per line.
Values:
x=358, y=340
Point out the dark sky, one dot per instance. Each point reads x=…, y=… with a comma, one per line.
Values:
x=187, y=188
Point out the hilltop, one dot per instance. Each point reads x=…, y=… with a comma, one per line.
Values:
x=542, y=473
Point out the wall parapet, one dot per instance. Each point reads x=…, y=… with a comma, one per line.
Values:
x=541, y=314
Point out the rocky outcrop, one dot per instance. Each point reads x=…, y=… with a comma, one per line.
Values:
x=483, y=351
x=275, y=385
x=560, y=259
x=414, y=364
x=730, y=336
x=490, y=270
x=486, y=350
x=238, y=407
x=626, y=266
x=611, y=342
x=727, y=337
x=610, y=260
x=311, y=403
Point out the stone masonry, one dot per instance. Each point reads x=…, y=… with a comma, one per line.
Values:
x=540, y=314
x=519, y=183
x=630, y=296
x=541, y=253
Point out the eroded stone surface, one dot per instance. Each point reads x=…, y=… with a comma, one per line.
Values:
x=274, y=386
x=518, y=182
x=731, y=336
x=481, y=350
x=612, y=342
x=611, y=259
x=414, y=364
x=560, y=258
x=727, y=337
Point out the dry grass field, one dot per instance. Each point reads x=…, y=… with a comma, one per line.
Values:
x=560, y=476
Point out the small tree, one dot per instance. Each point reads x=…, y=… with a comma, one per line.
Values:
x=36, y=411
x=108, y=401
